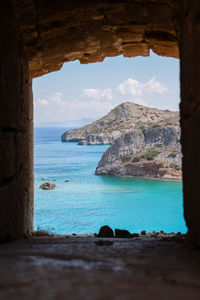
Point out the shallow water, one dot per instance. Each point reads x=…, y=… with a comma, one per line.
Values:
x=87, y=201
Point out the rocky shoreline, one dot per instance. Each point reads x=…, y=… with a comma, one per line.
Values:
x=139, y=236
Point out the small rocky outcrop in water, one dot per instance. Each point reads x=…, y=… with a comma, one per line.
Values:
x=48, y=186
x=152, y=152
x=124, y=117
x=105, y=231
x=121, y=233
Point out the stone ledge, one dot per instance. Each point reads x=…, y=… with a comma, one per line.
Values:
x=52, y=268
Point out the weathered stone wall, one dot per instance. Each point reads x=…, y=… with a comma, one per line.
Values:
x=57, y=32
x=190, y=114
x=16, y=143
x=54, y=33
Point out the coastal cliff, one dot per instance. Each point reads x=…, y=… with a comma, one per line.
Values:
x=151, y=152
x=124, y=117
x=145, y=142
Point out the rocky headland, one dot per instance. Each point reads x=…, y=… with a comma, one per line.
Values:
x=122, y=118
x=151, y=152
x=145, y=142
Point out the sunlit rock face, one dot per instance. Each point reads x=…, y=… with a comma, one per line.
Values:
x=92, y=30
x=152, y=152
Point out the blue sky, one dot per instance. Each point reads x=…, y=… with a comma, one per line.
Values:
x=90, y=91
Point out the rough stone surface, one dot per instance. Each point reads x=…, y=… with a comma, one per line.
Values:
x=91, y=139
x=55, y=268
x=92, y=30
x=89, y=31
x=190, y=114
x=16, y=132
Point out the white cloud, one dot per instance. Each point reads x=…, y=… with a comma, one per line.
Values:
x=94, y=103
x=107, y=93
x=130, y=87
x=154, y=86
x=91, y=104
x=88, y=109
x=97, y=93
x=91, y=93
x=56, y=98
x=41, y=102
x=133, y=88
x=47, y=112
x=140, y=101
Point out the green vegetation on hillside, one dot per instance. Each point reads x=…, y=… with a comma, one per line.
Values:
x=172, y=155
x=150, y=154
x=124, y=117
x=174, y=166
x=136, y=159
x=126, y=159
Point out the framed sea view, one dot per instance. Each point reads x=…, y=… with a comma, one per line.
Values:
x=100, y=150
x=108, y=152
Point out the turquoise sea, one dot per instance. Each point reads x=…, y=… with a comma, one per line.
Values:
x=87, y=201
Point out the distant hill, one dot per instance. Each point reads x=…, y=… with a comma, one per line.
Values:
x=122, y=118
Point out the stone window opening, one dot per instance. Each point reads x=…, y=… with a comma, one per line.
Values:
x=38, y=39
x=52, y=178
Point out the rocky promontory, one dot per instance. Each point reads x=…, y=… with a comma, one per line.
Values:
x=151, y=152
x=145, y=142
x=124, y=117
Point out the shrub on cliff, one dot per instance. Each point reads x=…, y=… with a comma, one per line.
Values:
x=174, y=166
x=136, y=159
x=172, y=155
x=150, y=154
x=126, y=159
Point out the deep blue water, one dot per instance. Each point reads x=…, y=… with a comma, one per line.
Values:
x=88, y=201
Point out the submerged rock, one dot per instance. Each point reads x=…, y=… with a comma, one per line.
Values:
x=105, y=231
x=122, y=233
x=48, y=186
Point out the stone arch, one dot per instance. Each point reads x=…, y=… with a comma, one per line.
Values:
x=92, y=30
x=39, y=36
